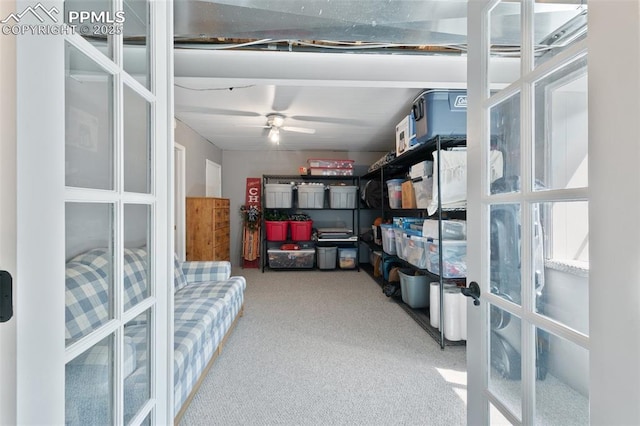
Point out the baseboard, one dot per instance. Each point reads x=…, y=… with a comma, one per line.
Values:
x=187, y=402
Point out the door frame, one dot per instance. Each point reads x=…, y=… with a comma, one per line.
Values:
x=180, y=185
x=212, y=171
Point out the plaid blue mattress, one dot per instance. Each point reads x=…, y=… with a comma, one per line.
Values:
x=206, y=302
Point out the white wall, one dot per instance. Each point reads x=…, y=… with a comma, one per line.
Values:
x=237, y=166
x=198, y=150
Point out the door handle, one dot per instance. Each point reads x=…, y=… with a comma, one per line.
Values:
x=6, y=297
x=473, y=291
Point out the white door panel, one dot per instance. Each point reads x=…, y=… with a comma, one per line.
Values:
x=525, y=351
x=89, y=177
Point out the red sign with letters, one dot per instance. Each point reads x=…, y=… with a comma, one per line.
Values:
x=253, y=192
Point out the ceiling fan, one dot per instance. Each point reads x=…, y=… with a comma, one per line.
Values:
x=275, y=125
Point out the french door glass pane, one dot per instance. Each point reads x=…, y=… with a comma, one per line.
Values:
x=562, y=294
x=505, y=137
x=137, y=364
x=89, y=143
x=561, y=128
x=504, y=251
x=562, y=397
x=136, y=254
x=558, y=25
x=505, y=41
x=137, y=146
x=505, y=359
x=97, y=29
x=136, y=40
x=89, y=268
x=89, y=386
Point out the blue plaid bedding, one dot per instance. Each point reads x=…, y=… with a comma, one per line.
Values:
x=206, y=302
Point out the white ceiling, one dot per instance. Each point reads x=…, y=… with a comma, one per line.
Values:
x=352, y=99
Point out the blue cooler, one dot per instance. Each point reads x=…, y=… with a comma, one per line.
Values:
x=440, y=112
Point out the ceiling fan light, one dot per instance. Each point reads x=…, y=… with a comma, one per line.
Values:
x=274, y=135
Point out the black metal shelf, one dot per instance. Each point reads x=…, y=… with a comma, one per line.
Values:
x=355, y=216
x=421, y=316
x=417, y=154
x=399, y=167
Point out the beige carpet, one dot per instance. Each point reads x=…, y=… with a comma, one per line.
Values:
x=327, y=347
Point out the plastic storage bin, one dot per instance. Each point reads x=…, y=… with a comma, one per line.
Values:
x=395, y=193
x=343, y=197
x=451, y=229
x=327, y=257
x=415, y=251
x=424, y=191
x=311, y=196
x=398, y=235
x=301, y=230
x=347, y=257
x=414, y=288
x=278, y=195
x=388, y=239
x=440, y=112
x=454, y=258
x=295, y=259
x=276, y=230
x=326, y=171
x=330, y=163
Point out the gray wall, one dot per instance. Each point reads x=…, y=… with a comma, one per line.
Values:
x=237, y=166
x=198, y=149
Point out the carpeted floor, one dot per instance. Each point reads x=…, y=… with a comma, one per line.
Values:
x=327, y=347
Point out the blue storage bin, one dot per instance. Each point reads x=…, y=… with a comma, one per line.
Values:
x=440, y=112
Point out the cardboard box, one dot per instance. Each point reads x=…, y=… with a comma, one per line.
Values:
x=408, y=196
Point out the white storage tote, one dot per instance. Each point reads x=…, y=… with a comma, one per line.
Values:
x=311, y=196
x=278, y=195
x=343, y=197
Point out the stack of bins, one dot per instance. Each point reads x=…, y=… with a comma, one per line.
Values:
x=329, y=167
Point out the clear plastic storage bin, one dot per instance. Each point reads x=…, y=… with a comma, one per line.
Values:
x=388, y=239
x=291, y=259
x=415, y=251
x=395, y=193
x=454, y=258
x=347, y=257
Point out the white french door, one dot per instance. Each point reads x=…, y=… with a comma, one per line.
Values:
x=93, y=205
x=528, y=347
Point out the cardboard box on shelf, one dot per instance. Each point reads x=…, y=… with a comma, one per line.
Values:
x=408, y=195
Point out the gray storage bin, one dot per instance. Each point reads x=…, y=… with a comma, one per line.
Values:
x=415, y=289
x=327, y=257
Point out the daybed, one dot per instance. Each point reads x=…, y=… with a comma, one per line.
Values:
x=207, y=302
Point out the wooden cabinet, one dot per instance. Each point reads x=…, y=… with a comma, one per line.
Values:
x=207, y=228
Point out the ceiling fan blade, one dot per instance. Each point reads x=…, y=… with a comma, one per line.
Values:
x=214, y=111
x=283, y=96
x=299, y=130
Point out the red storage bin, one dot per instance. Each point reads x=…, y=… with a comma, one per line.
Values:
x=276, y=230
x=301, y=230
